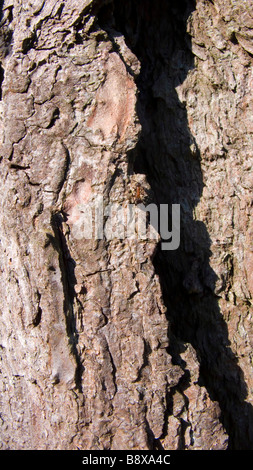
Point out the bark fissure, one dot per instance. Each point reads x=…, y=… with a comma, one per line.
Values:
x=67, y=266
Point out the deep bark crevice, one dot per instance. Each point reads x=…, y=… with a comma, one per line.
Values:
x=1, y=81
x=156, y=33
x=67, y=266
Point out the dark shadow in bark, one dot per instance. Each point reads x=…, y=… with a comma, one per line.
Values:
x=1, y=9
x=67, y=266
x=167, y=154
x=1, y=80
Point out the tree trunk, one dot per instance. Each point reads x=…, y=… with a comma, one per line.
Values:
x=108, y=341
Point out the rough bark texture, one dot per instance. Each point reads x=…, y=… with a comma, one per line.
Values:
x=116, y=344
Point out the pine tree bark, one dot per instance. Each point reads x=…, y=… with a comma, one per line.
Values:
x=92, y=356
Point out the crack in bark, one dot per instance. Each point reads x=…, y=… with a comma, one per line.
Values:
x=1, y=80
x=67, y=266
x=38, y=316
